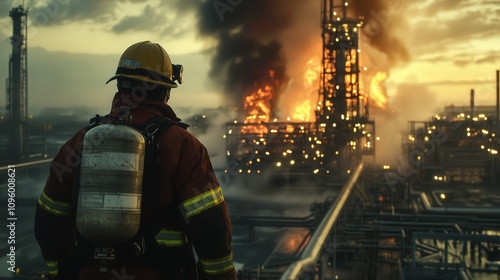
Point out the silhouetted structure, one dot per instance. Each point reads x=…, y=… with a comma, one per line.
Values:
x=17, y=87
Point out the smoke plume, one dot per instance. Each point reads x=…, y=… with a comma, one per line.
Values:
x=253, y=37
x=383, y=28
x=248, y=47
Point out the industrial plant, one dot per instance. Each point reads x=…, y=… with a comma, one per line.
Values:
x=306, y=196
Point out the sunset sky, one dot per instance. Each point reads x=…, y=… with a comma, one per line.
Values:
x=445, y=48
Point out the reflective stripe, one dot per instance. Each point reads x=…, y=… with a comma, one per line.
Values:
x=203, y=201
x=53, y=206
x=52, y=266
x=218, y=266
x=171, y=238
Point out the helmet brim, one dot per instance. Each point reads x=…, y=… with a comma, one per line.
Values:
x=169, y=84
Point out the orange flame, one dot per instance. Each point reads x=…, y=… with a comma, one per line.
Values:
x=303, y=110
x=257, y=105
x=311, y=74
x=377, y=90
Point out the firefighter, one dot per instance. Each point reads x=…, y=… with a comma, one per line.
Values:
x=185, y=202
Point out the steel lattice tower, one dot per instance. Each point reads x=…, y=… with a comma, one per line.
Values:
x=17, y=87
x=342, y=113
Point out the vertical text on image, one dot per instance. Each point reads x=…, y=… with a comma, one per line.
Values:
x=11, y=218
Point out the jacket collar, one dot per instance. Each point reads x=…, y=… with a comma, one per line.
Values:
x=142, y=108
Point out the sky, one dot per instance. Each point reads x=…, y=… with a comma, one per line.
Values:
x=433, y=52
x=74, y=45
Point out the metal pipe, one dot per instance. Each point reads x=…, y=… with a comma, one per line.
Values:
x=456, y=210
x=472, y=113
x=25, y=164
x=313, y=248
x=498, y=101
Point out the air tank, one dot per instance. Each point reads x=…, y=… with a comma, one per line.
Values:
x=110, y=185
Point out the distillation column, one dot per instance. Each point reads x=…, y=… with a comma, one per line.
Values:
x=342, y=113
x=17, y=99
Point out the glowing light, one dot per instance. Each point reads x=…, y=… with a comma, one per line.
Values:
x=377, y=89
x=292, y=162
x=303, y=111
x=387, y=167
x=443, y=196
x=278, y=164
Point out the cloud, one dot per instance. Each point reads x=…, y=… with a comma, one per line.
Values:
x=490, y=57
x=452, y=27
x=437, y=7
x=463, y=59
x=56, y=12
x=144, y=21
x=153, y=19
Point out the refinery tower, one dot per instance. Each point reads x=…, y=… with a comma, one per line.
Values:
x=17, y=88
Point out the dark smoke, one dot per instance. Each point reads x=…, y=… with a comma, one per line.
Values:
x=255, y=36
x=248, y=44
x=384, y=22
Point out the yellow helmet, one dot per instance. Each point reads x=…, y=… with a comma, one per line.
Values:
x=148, y=62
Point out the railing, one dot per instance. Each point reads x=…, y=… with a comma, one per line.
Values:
x=26, y=164
x=309, y=257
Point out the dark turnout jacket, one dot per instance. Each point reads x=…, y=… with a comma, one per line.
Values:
x=187, y=194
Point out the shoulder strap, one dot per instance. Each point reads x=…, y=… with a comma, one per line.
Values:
x=157, y=124
x=98, y=120
x=152, y=129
